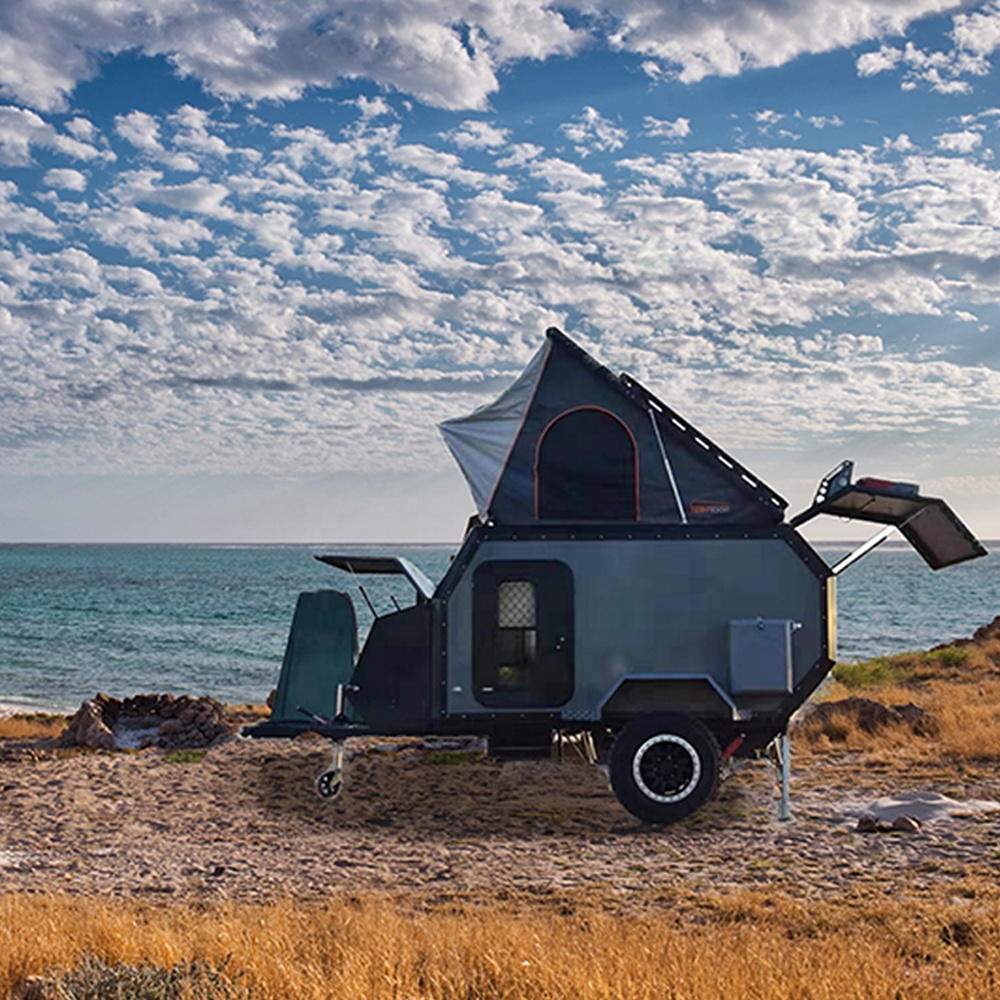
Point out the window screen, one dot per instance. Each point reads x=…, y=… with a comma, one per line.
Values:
x=516, y=604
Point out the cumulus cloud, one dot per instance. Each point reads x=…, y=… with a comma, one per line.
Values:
x=679, y=128
x=826, y=121
x=475, y=134
x=975, y=36
x=959, y=142
x=731, y=36
x=447, y=53
x=591, y=131
x=69, y=180
x=282, y=311
x=21, y=129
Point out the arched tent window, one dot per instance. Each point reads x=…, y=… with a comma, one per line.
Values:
x=586, y=468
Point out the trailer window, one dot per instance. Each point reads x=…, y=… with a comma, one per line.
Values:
x=516, y=635
x=522, y=624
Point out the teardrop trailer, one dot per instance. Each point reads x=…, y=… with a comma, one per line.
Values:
x=625, y=583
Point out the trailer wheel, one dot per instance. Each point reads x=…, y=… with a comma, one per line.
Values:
x=663, y=767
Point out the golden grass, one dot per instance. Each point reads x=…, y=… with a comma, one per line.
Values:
x=748, y=944
x=958, y=685
x=31, y=726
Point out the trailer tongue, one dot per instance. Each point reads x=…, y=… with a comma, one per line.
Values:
x=625, y=583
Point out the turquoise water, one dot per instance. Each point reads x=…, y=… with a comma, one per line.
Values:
x=125, y=619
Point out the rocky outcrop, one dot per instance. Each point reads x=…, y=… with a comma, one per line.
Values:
x=144, y=720
x=831, y=717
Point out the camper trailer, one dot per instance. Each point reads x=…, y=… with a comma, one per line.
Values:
x=625, y=583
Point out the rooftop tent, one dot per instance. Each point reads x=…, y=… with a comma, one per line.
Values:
x=570, y=441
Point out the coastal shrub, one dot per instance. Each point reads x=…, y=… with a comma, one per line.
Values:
x=872, y=673
x=949, y=656
x=184, y=756
x=93, y=979
x=901, y=668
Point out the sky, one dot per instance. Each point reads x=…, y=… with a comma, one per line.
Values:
x=252, y=253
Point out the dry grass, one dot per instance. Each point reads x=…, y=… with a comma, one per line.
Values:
x=958, y=685
x=748, y=944
x=31, y=726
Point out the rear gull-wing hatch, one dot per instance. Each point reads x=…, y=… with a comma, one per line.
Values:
x=927, y=523
x=383, y=566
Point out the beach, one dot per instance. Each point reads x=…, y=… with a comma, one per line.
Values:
x=444, y=873
x=243, y=823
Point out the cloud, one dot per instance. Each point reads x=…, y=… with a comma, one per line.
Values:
x=21, y=129
x=282, y=311
x=446, y=53
x=591, y=131
x=473, y=134
x=69, y=180
x=826, y=121
x=959, y=142
x=679, y=128
x=974, y=36
x=730, y=36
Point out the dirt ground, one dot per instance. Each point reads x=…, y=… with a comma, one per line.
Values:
x=244, y=823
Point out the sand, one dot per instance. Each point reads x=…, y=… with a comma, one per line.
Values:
x=245, y=824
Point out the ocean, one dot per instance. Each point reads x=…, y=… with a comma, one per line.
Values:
x=204, y=619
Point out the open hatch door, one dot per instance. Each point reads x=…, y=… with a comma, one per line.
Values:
x=383, y=566
x=927, y=523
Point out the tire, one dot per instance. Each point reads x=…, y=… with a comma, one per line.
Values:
x=664, y=767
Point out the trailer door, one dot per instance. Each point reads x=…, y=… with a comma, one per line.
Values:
x=522, y=655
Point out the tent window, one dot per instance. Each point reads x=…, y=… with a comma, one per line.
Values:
x=586, y=469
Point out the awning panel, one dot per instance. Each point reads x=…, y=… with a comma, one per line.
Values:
x=927, y=523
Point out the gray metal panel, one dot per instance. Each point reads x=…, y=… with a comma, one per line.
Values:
x=653, y=606
x=760, y=655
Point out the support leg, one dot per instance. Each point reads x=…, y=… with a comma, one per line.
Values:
x=785, y=759
x=329, y=783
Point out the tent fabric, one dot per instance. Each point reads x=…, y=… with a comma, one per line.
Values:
x=552, y=448
x=481, y=441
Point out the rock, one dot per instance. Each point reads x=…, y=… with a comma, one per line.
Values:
x=867, y=824
x=831, y=717
x=987, y=632
x=148, y=720
x=88, y=728
x=918, y=719
x=908, y=824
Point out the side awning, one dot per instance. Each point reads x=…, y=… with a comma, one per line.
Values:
x=927, y=523
x=383, y=566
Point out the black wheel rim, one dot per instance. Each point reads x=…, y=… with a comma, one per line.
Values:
x=666, y=768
